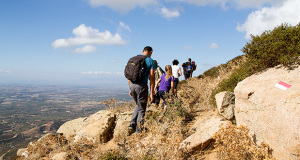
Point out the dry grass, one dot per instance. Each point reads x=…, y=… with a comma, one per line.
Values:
x=51, y=144
x=234, y=143
x=196, y=93
x=163, y=132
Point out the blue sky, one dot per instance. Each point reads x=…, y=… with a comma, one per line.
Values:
x=90, y=41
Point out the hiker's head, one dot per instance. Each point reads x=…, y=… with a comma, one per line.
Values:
x=155, y=62
x=147, y=51
x=168, y=70
x=175, y=62
x=189, y=59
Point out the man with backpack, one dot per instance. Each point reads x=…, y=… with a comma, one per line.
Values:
x=188, y=68
x=138, y=70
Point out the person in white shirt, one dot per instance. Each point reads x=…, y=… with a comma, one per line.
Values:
x=176, y=70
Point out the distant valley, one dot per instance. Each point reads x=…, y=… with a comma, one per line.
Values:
x=27, y=112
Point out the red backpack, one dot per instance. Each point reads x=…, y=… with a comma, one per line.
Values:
x=194, y=65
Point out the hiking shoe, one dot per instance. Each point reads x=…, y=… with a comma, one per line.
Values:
x=131, y=128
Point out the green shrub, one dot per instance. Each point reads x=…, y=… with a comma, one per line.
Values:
x=271, y=48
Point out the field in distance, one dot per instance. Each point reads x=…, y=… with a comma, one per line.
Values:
x=27, y=112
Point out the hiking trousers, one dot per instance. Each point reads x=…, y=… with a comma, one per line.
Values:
x=139, y=93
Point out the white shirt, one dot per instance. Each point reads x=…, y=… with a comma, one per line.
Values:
x=175, y=71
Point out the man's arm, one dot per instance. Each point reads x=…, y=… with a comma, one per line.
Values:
x=156, y=85
x=129, y=88
x=180, y=73
x=152, y=83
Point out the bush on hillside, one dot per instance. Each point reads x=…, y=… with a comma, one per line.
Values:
x=215, y=71
x=271, y=48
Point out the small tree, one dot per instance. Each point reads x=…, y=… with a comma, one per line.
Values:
x=271, y=48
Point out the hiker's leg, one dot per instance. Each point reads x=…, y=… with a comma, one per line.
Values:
x=157, y=97
x=176, y=81
x=142, y=99
x=188, y=74
x=135, y=111
x=161, y=94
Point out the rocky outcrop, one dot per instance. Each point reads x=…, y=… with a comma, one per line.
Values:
x=204, y=129
x=271, y=113
x=22, y=152
x=225, y=104
x=122, y=123
x=97, y=128
x=71, y=127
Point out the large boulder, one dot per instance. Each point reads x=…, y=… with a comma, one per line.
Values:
x=225, y=104
x=71, y=127
x=271, y=113
x=97, y=128
x=205, y=128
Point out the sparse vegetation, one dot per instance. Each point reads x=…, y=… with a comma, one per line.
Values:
x=234, y=143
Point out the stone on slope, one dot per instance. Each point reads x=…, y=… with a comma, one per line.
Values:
x=97, y=128
x=272, y=114
x=122, y=123
x=205, y=128
x=22, y=152
x=71, y=127
x=225, y=104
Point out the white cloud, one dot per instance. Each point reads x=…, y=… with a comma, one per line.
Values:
x=4, y=71
x=123, y=6
x=256, y=3
x=269, y=17
x=123, y=25
x=214, y=46
x=189, y=48
x=204, y=2
x=87, y=35
x=113, y=61
x=102, y=73
x=169, y=13
x=85, y=49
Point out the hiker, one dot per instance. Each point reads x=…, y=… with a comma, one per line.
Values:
x=158, y=73
x=176, y=70
x=166, y=83
x=188, y=68
x=139, y=86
